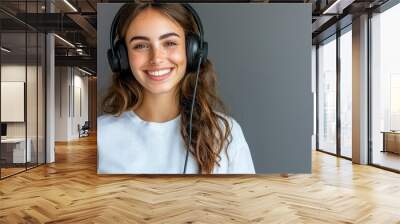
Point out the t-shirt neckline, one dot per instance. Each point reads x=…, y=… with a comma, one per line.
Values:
x=152, y=123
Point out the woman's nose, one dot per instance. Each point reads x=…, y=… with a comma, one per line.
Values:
x=158, y=55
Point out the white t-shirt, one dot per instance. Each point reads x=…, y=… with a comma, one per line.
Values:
x=129, y=145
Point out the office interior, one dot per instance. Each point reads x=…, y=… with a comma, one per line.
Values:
x=48, y=82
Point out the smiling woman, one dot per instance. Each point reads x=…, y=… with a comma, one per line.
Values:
x=159, y=60
x=157, y=56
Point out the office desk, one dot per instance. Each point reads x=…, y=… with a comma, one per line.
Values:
x=15, y=148
x=391, y=141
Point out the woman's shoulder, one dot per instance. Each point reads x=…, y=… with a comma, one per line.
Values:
x=240, y=160
x=234, y=127
x=232, y=121
x=112, y=125
x=111, y=119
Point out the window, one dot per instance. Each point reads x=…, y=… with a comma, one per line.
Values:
x=385, y=88
x=327, y=95
x=346, y=92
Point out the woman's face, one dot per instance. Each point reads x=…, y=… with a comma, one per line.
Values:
x=156, y=51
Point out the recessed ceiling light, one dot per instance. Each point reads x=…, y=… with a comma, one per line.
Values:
x=337, y=7
x=86, y=72
x=70, y=5
x=5, y=50
x=64, y=40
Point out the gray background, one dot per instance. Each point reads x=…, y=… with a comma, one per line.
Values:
x=262, y=55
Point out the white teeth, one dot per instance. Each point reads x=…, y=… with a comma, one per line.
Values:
x=159, y=72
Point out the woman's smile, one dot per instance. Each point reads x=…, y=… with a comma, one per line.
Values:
x=159, y=74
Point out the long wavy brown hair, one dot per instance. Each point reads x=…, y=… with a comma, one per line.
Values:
x=210, y=129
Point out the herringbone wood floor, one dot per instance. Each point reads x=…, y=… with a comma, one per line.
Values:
x=70, y=191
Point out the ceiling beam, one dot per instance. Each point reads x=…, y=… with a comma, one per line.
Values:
x=86, y=26
x=337, y=7
x=83, y=61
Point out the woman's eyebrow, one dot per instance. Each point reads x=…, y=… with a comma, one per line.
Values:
x=160, y=38
x=168, y=35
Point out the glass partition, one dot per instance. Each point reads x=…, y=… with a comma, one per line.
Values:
x=346, y=93
x=13, y=110
x=385, y=89
x=22, y=77
x=327, y=95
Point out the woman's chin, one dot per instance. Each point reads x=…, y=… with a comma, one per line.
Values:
x=160, y=90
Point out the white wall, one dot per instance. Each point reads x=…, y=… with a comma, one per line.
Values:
x=12, y=73
x=61, y=103
x=71, y=102
x=12, y=101
x=81, y=104
x=34, y=124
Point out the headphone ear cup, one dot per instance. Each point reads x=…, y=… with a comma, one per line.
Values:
x=205, y=52
x=123, y=59
x=192, y=51
x=113, y=61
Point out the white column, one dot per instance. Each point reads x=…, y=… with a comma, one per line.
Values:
x=50, y=93
x=360, y=90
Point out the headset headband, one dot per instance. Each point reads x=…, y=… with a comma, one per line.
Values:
x=197, y=21
x=186, y=5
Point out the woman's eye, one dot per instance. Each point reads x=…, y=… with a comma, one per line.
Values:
x=171, y=44
x=139, y=46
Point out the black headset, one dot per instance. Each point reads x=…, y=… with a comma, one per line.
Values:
x=195, y=45
x=196, y=54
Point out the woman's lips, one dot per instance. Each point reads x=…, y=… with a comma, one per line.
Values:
x=153, y=74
